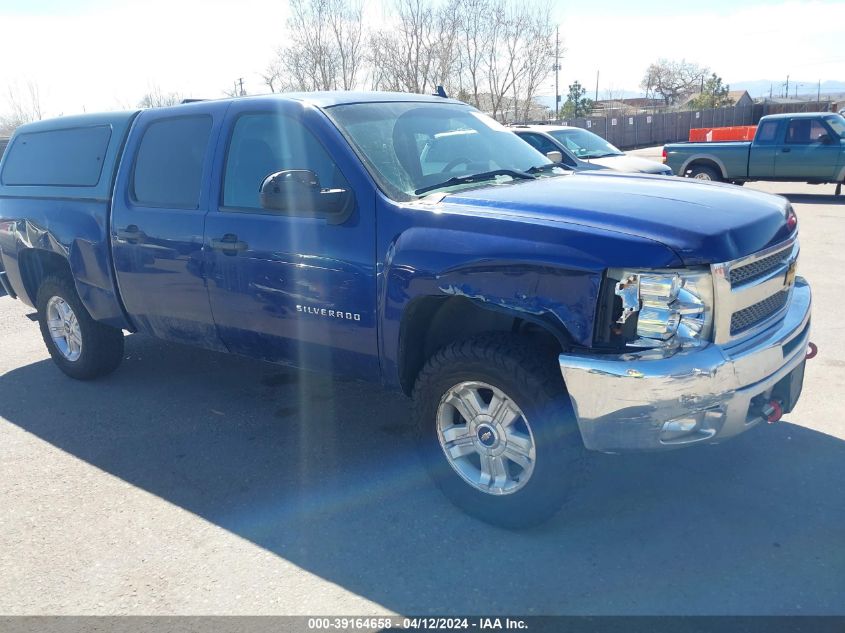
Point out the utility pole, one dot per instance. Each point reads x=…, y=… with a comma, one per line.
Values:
x=787, y=87
x=819, y=92
x=557, y=71
x=597, y=86
x=241, y=87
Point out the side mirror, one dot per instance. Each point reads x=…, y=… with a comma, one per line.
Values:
x=555, y=156
x=298, y=192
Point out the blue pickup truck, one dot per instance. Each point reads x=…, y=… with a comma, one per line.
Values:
x=529, y=311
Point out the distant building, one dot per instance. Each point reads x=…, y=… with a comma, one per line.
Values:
x=740, y=98
x=736, y=98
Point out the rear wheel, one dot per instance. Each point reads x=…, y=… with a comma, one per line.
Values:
x=704, y=172
x=496, y=430
x=79, y=345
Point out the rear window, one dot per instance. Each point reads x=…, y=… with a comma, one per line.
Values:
x=168, y=167
x=766, y=133
x=71, y=157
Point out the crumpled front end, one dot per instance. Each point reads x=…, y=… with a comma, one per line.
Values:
x=668, y=397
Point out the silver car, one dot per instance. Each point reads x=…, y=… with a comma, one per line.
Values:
x=581, y=149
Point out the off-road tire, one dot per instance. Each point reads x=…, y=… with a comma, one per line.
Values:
x=531, y=378
x=102, y=346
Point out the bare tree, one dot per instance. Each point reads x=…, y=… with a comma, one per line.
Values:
x=536, y=50
x=474, y=42
x=326, y=49
x=157, y=98
x=673, y=80
x=418, y=50
x=24, y=106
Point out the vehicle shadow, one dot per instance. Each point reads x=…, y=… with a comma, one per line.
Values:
x=323, y=474
x=814, y=198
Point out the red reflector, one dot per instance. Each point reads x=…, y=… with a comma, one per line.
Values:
x=791, y=220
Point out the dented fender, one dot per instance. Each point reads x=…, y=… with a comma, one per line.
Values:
x=549, y=273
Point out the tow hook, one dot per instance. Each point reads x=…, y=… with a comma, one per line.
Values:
x=773, y=411
x=812, y=350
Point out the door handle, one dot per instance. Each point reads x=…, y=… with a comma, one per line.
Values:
x=229, y=244
x=786, y=150
x=131, y=234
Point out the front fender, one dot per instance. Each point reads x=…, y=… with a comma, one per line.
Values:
x=554, y=281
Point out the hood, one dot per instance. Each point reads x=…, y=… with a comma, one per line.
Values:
x=703, y=222
x=631, y=164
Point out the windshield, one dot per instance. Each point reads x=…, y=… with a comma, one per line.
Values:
x=585, y=144
x=838, y=124
x=412, y=147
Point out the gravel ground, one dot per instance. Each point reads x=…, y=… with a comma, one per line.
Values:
x=191, y=482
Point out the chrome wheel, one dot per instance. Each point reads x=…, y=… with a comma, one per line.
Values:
x=64, y=328
x=486, y=438
x=702, y=175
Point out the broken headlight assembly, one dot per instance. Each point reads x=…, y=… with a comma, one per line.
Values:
x=659, y=308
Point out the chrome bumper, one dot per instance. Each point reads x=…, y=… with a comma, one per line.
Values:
x=639, y=401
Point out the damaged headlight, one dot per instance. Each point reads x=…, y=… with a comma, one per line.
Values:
x=663, y=308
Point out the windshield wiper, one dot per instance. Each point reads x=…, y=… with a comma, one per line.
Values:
x=480, y=177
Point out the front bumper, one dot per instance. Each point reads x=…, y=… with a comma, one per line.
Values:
x=624, y=402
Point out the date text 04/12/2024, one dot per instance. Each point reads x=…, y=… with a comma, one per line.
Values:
x=415, y=624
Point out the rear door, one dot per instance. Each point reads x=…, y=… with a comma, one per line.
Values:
x=286, y=286
x=804, y=154
x=158, y=220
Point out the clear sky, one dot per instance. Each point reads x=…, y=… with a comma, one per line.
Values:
x=105, y=54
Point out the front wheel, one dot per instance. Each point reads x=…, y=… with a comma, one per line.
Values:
x=496, y=430
x=80, y=346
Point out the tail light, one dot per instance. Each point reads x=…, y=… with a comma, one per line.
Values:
x=664, y=155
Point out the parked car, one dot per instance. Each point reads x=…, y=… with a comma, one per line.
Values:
x=805, y=147
x=530, y=312
x=584, y=150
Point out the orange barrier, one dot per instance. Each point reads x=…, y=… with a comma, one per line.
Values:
x=732, y=133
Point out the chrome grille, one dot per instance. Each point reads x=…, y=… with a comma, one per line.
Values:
x=742, y=320
x=758, y=269
x=752, y=292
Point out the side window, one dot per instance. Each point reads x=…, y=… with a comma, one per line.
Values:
x=69, y=157
x=540, y=143
x=168, y=166
x=544, y=146
x=767, y=133
x=805, y=131
x=265, y=143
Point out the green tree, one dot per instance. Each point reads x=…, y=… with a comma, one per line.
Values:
x=714, y=95
x=576, y=104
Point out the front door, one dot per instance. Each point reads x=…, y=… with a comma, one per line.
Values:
x=287, y=286
x=807, y=152
x=158, y=220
